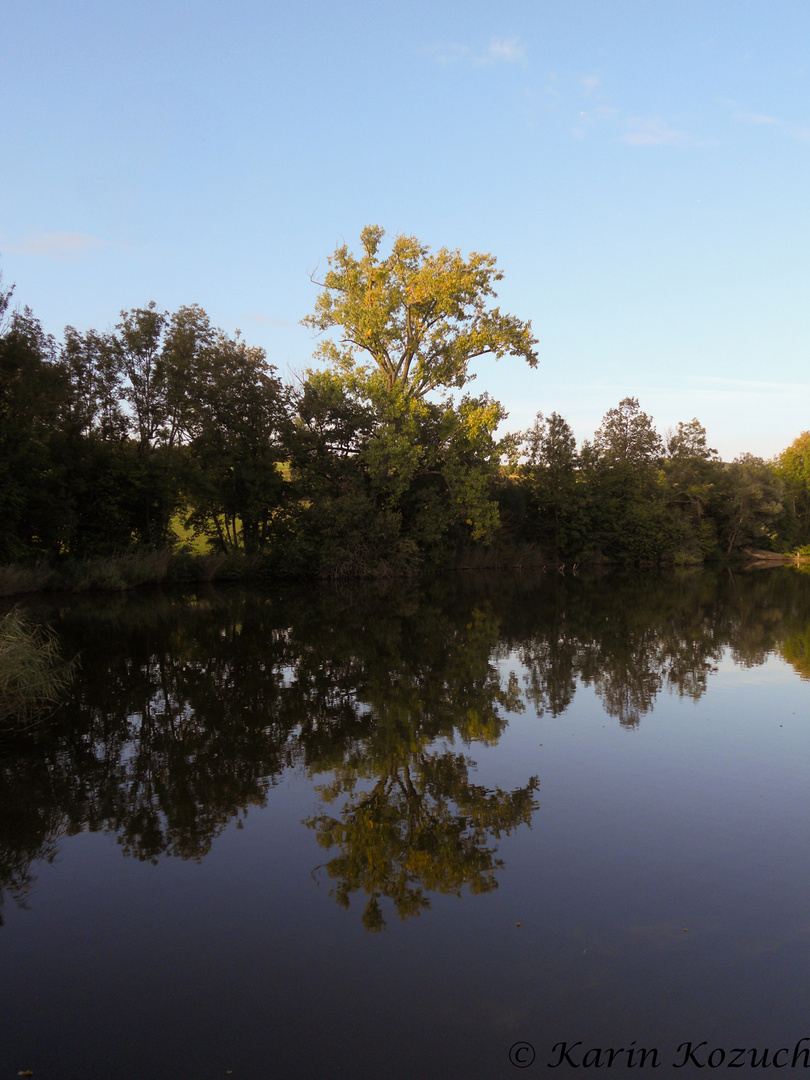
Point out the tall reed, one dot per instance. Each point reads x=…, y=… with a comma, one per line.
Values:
x=33, y=677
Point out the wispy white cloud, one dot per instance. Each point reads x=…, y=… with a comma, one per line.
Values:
x=792, y=130
x=504, y=51
x=652, y=131
x=597, y=112
x=758, y=118
x=59, y=245
x=498, y=51
x=584, y=100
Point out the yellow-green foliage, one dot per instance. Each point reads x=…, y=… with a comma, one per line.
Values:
x=419, y=317
x=190, y=540
x=796, y=650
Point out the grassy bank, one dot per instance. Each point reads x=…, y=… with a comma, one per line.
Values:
x=130, y=571
x=122, y=572
x=135, y=569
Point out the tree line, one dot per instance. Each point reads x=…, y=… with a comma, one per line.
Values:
x=165, y=431
x=631, y=496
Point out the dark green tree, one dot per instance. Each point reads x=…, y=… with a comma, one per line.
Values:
x=552, y=479
x=629, y=522
x=235, y=477
x=751, y=503
x=93, y=371
x=36, y=508
x=691, y=478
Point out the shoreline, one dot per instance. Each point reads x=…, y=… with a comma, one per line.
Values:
x=142, y=569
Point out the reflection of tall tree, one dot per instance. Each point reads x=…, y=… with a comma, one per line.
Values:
x=421, y=828
x=422, y=669
x=412, y=823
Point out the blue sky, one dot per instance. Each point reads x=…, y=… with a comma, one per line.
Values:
x=640, y=170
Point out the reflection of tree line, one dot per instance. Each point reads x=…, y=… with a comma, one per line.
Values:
x=627, y=652
x=184, y=714
x=633, y=637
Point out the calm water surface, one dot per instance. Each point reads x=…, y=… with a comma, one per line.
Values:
x=392, y=833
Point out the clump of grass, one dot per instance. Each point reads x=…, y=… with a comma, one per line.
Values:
x=118, y=572
x=33, y=677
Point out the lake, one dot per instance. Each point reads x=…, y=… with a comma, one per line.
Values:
x=407, y=831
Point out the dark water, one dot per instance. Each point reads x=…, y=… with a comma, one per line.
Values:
x=393, y=833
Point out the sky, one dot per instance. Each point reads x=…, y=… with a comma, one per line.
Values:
x=640, y=169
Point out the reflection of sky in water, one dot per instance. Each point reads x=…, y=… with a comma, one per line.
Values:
x=773, y=669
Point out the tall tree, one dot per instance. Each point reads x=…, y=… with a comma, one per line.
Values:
x=627, y=436
x=35, y=502
x=184, y=370
x=408, y=326
x=139, y=341
x=165, y=377
x=235, y=481
x=418, y=317
x=550, y=475
x=752, y=502
x=93, y=370
x=692, y=479
x=628, y=519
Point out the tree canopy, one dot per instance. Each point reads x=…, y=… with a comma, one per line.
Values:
x=420, y=317
x=627, y=436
